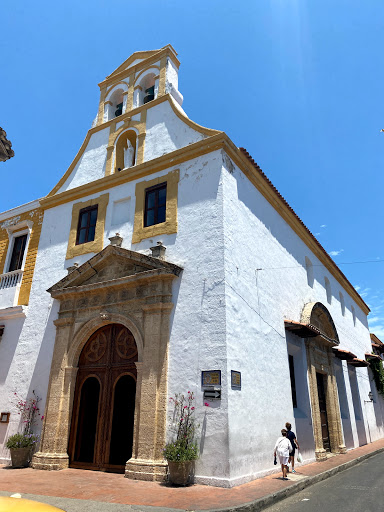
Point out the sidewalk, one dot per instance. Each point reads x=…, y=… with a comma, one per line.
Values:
x=114, y=488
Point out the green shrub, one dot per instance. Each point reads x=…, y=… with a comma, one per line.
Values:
x=184, y=447
x=180, y=452
x=21, y=441
x=376, y=367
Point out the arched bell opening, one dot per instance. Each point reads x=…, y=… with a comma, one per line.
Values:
x=102, y=427
x=115, y=104
x=126, y=150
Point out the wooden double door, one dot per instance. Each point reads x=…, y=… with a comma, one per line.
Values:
x=321, y=390
x=101, y=435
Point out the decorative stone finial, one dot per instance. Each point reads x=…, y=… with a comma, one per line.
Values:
x=72, y=268
x=158, y=251
x=116, y=240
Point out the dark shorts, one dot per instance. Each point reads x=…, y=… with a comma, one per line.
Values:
x=292, y=454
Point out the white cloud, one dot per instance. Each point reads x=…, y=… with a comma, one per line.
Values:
x=336, y=253
x=375, y=319
x=357, y=288
x=323, y=226
x=379, y=331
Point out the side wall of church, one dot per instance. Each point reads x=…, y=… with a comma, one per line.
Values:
x=266, y=283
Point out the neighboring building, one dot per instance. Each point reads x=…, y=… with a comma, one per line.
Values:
x=164, y=252
x=5, y=147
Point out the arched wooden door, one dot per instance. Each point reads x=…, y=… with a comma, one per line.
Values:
x=104, y=404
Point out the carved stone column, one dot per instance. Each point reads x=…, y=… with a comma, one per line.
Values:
x=148, y=461
x=53, y=448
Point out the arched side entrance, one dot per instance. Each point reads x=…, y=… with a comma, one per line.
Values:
x=101, y=435
x=327, y=429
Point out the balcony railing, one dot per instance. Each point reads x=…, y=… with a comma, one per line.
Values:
x=9, y=288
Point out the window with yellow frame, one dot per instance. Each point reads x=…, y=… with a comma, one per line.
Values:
x=156, y=207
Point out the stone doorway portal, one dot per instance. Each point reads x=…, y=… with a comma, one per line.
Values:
x=104, y=401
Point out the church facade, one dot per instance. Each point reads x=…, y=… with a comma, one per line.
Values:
x=164, y=261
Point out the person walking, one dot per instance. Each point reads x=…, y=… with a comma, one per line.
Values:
x=295, y=444
x=282, y=449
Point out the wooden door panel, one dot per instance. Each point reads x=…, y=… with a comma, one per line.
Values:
x=109, y=356
x=323, y=411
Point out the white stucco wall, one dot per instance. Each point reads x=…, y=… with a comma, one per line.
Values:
x=258, y=301
x=166, y=132
x=91, y=165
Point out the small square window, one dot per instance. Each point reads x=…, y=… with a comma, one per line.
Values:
x=87, y=225
x=155, y=205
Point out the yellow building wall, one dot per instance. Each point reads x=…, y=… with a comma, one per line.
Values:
x=36, y=216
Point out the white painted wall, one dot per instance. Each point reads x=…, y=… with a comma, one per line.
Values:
x=91, y=165
x=258, y=301
x=166, y=132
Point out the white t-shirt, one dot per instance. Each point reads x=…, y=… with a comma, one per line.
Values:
x=283, y=446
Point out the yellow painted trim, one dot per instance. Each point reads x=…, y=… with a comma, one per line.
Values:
x=139, y=171
x=122, y=70
x=123, y=82
x=164, y=228
x=100, y=113
x=163, y=70
x=215, y=140
x=96, y=245
x=107, y=124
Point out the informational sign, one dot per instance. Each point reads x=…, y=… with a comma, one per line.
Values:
x=212, y=394
x=235, y=379
x=211, y=378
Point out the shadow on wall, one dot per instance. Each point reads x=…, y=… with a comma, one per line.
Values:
x=343, y=403
x=357, y=407
x=8, y=345
x=378, y=406
x=40, y=377
x=302, y=411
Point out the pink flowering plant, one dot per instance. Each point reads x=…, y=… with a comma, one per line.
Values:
x=30, y=415
x=184, y=446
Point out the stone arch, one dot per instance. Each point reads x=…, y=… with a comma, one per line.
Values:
x=322, y=380
x=111, y=90
x=146, y=86
x=316, y=314
x=86, y=331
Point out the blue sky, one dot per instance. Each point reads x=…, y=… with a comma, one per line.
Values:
x=297, y=83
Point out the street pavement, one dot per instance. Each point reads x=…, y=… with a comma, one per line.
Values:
x=75, y=490
x=358, y=489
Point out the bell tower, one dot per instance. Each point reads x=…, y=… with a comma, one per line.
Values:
x=142, y=78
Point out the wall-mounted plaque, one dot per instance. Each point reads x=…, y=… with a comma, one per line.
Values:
x=211, y=378
x=4, y=417
x=235, y=379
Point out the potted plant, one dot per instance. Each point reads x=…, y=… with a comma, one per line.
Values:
x=22, y=444
x=183, y=450
x=21, y=447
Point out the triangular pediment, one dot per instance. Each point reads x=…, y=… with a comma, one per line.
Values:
x=137, y=56
x=113, y=265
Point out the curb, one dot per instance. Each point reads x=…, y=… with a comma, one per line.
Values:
x=272, y=499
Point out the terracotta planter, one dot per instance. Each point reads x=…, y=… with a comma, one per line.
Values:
x=20, y=457
x=180, y=472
